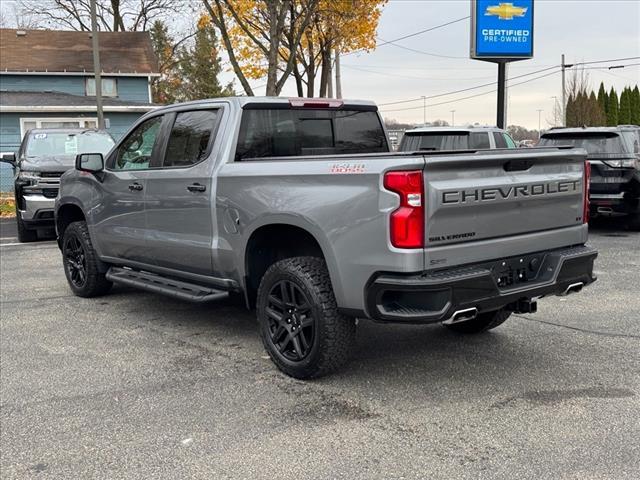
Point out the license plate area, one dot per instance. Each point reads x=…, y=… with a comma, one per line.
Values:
x=514, y=271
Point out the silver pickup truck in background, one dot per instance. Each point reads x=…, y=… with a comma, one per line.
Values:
x=298, y=205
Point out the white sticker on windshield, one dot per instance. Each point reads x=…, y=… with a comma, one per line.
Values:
x=40, y=136
x=71, y=146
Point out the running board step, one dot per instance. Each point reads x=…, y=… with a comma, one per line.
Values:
x=165, y=286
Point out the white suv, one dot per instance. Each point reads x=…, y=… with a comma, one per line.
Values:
x=455, y=138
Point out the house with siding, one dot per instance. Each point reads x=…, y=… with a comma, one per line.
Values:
x=46, y=80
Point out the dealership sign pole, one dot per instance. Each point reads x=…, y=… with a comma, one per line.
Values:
x=501, y=32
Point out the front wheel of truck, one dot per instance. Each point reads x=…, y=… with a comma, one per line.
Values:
x=81, y=262
x=300, y=325
x=483, y=322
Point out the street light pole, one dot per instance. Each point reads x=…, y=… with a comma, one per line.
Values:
x=453, y=122
x=539, y=124
x=424, y=110
x=563, y=67
x=555, y=110
x=96, y=64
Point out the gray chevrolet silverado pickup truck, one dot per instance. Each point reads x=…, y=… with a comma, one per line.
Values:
x=298, y=206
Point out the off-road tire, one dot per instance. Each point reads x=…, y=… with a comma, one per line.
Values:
x=483, y=322
x=95, y=282
x=333, y=334
x=24, y=234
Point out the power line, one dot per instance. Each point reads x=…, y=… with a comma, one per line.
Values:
x=605, y=61
x=430, y=29
x=431, y=54
x=467, y=89
x=512, y=78
x=469, y=96
x=609, y=68
x=351, y=67
x=426, y=30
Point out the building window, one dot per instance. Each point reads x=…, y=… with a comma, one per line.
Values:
x=109, y=87
x=27, y=124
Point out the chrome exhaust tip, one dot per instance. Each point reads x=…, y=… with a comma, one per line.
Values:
x=462, y=316
x=573, y=288
x=605, y=210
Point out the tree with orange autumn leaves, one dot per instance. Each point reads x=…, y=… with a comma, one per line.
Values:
x=277, y=39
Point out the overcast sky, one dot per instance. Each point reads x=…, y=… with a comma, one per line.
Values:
x=583, y=30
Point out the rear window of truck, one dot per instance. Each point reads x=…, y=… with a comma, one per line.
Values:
x=434, y=141
x=281, y=132
x=593, y=143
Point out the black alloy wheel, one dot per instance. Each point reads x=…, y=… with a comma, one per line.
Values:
x=292, y=327
x=75, y=261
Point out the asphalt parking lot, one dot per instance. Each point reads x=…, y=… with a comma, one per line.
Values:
x=133, y=385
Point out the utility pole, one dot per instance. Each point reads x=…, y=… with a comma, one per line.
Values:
x=424, y=110
x=564, y=94
x=539, y=122
x=96, y=64
x=338, y=76
x=453, y=122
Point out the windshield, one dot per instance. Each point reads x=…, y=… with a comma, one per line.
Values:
x=61, y=144
x=593, y=143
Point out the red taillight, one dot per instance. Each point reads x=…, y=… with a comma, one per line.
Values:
x=407, y=221
x=315, y=103
x=585, y=188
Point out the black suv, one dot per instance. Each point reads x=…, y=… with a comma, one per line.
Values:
x=615, y=168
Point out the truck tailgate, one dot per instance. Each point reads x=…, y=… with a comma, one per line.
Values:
x=494, y=194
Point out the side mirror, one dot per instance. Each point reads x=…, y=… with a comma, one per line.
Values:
x=8, y=157
x=90, y=162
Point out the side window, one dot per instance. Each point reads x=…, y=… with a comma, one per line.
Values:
x=479, y=140
x=509, y=140
x=135, y=152
x=500, y=140
x=190, y=137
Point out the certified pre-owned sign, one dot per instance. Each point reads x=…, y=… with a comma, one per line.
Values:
x=501, y=30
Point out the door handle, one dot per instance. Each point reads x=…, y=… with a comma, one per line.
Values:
x=135, y=186
x=196, y=187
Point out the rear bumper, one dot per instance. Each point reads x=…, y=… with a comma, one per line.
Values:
x=609, y=204
x=436, y=296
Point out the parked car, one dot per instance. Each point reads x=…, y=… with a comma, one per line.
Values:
x=455, y=138
x=615, y=168
x=631, y=133
x=528, y=143
x=43, y=156
x=299, y=206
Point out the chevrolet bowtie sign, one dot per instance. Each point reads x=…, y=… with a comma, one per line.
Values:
x=501, y=30
x=506, y=11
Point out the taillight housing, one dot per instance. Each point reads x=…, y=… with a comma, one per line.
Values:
x=406, y=226
x=585, y=188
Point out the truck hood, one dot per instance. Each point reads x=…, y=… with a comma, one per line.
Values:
x=54, y=163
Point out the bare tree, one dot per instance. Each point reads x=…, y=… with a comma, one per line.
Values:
x=112, y=15
x=16, y=18
x=270, y=26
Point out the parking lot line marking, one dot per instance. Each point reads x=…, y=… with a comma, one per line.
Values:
x=25, y=244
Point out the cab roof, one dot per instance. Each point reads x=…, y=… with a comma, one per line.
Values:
x=447, y=129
